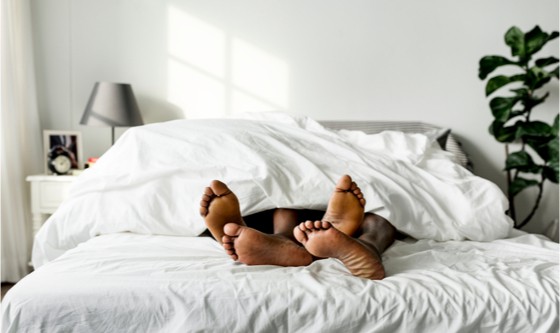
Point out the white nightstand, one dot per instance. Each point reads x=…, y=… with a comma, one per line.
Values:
x=47, y=193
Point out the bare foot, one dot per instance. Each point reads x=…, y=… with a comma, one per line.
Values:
x=219, y=206
x=346, y=206
x=322, y=240
x=252, y=247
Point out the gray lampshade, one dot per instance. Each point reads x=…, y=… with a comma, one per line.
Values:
x=112, y=104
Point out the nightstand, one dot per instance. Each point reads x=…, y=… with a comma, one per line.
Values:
x=47, y=193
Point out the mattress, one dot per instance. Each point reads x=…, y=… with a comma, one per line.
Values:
x=143, y=283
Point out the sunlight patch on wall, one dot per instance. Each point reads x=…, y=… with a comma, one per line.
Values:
x=259, y=73
x=214, y=74
x=197, y=94
x=196, y=42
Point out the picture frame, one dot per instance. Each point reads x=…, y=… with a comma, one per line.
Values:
x=70, y=140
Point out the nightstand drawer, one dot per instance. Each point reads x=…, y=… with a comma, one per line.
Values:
x=47, y=193
x=51, y=195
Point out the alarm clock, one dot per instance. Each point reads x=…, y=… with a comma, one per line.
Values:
x=59, y=160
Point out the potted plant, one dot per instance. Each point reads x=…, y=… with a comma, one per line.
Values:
x=536, y=161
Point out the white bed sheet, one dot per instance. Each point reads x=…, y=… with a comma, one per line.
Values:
x=144, y=283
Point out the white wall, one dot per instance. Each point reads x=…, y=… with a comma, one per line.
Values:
x=328, y=59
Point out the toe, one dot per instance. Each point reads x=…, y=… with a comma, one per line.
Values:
x=299, y=234
x=308, y=224
x=208, y=192
x=344, y=183
x=219, y=188
x=203, y=211
x=232, y=229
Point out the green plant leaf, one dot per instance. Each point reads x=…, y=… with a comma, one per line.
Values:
x=554, y=130
x=536, y=77
x=544, y=145
x=550, y=172
x=543, y=62
x=489, y=63
x=535, y=40
x=516, y=113
x=515, y=39
x=502, y=106
x=495, y=127
x=521, y=92
x=499, y=81
x=538, y=145
x=533, y=129
x=553, y=35
x=501, y=133
x=553, y=150
x=522, y=161
x=519, y=184
x=555, y=72
x=532, y=101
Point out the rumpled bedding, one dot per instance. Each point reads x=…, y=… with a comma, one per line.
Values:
x=150, y=182
x=128, y=282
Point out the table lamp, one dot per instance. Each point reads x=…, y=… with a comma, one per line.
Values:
x=112, y=104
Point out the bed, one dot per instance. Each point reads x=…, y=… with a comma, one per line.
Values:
x=124, y=252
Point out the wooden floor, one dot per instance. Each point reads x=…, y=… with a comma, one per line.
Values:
x=5, y=287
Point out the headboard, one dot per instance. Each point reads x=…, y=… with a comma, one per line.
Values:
x=445, y=138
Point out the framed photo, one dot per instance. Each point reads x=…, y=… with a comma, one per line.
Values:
x=69, y=141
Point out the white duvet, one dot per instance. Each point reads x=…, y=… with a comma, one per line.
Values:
x=151, y=180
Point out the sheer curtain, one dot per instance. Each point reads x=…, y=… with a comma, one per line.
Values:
x=20, y=135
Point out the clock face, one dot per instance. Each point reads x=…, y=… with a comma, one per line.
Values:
x=61, y=164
